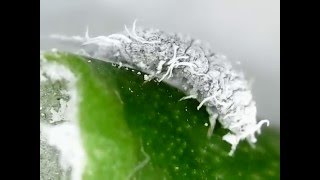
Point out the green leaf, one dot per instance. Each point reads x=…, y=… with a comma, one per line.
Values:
x=136, y=129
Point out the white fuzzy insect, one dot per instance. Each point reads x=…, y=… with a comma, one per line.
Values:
x=191, y=66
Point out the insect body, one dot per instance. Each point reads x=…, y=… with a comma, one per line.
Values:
x=191, y=66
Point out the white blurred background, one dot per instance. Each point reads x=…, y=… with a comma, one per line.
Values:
x=246, y=31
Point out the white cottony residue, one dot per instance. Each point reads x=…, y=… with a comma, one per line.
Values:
x=62, y=112
x=57, y=72
x=65, y=137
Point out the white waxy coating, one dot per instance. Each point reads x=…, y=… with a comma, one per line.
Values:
x=65, y=136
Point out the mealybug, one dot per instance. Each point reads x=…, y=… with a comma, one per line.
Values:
x=190, y=65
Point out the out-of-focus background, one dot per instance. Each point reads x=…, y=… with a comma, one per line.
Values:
x=246, y=31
